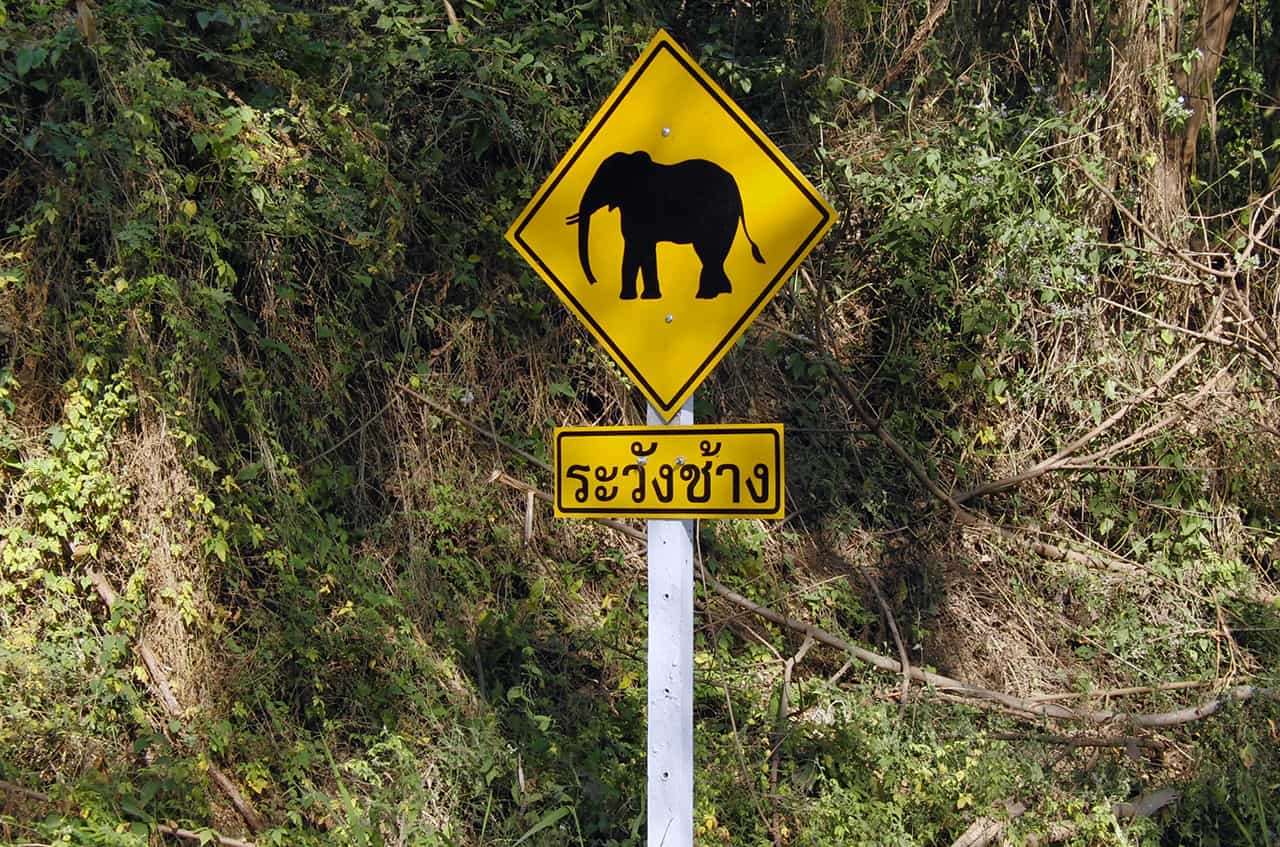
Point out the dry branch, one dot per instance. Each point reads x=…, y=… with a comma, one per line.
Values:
x=903, y=658
x=1016, y=705
x=913, y=48
x=18, y=791
x=188, y=835
x=784, y=709
x=1060, y=458
x=1142, y=806
x=872, y=421
x=453, y=21
x=985, y=830
x=164, y=693
x=962, y=515
x=1182, y=255
x=1122, y=692
x=1020, y=706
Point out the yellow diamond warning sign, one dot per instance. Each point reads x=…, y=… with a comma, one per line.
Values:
x=669, y=224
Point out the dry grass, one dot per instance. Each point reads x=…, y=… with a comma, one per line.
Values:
x=160, y=531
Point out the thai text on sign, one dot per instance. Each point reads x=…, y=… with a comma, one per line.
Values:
x=724, y=471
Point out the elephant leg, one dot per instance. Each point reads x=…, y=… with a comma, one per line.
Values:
x=713, y=280
x=630, y=269
x=649, y=268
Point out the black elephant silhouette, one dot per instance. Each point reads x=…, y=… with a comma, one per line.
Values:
x=691, y=202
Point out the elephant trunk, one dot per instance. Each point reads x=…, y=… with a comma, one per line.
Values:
x=584, y=251
x=583, y=221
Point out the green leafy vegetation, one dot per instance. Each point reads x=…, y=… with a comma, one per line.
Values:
x=263, y=346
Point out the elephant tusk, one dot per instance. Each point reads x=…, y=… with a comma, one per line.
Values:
x=572, y=219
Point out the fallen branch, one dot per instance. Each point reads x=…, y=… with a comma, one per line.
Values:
x=784, y=709
x=1020, y=706
x=985, y=830
x=1122, y=692
x=903, y=658
x=164, y=693
x=1017, y=705
x=1055, y=553
x=1184, y=256
x=1142, y=806
x=188, y=835
x=518, y=485
x=873, y=422
x=18, y=791
x=963, y=516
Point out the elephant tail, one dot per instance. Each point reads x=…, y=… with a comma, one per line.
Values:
x=755, y=251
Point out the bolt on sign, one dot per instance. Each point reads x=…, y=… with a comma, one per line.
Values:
x=669, y=224
x=719, y=471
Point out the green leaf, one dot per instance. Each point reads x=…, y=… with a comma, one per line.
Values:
x=203, y=19
x=549, y=819
x=30, y=58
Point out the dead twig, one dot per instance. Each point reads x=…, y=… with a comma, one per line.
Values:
x=985, y=830
x=1142, y=806
x=912, y=50
x=18, y=791
x=1180, y=254
x=784, y=708
x=903, y=658
x=188, y=835
x=962, y=515
x=1016, y=705
x=518, y=485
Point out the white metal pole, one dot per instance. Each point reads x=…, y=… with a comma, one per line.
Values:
x=670, y=742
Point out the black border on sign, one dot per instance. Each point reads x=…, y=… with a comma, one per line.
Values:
x=667, y=404
x=657, y=432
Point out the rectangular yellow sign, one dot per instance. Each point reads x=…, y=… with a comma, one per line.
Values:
x=719, y=471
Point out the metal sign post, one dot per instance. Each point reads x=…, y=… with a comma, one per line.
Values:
x=670, y=740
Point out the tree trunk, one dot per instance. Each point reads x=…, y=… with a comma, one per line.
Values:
x=1195, y=80
x=1147, y=152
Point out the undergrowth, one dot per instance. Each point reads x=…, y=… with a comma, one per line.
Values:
x=245, y=242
